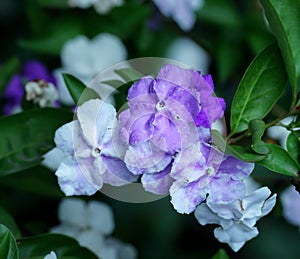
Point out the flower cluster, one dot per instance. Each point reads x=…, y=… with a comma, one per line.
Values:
x=91, y=224
x=164, y=139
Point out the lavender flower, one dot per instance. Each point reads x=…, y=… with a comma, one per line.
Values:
x=237, y=219
x=182, y=11
x=163, y=119
x=12, y=97
x=200, y=169
x=93, y=151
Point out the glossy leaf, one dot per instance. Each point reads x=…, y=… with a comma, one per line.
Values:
x=8, y=246
x=260, y=88
x=257, y=128
x=41, y=245
x=27, y=136
x=293, y=145
x=7, y=70
x=280, y=161
x=221, y=254
x=243, y=153
x=283, y=17
x=128, y=74
x=78, y=90
x=7, y=220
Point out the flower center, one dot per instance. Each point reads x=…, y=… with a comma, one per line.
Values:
x=96, y=152
x=210, y=170
x=160, y=105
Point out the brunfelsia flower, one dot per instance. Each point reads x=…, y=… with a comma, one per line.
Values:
x=163, y=119
x=93, y=150
x=200, y=170
x=13, y=94
x=91, y=224
x=237, y=219
x=290, y=200
x=182, y=11
x=85, y=58
x=188, y=52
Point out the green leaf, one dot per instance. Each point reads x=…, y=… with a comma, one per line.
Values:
x=7, y=220
x=221, y=254
x=27, y=136
x=7, y=70
x=43, y=180
x=243, y=153
x=129, y=74
x=257, y=128
x=78, y=90
x=8, y=246
x=260, y=88
x=293, y=145
x=41, y=245
x=283, y=17
x=280, y=161
x=57, y=34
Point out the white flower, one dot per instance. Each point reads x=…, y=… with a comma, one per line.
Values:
x=290, y=200
x=101, y=6
x=90, y=224
x=85, y=58
x=189, y=53
x=92, y=149
x=182, y=11
x=237, y=219
x=41, y=92
x=51, y=255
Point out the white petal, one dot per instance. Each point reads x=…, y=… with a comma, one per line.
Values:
x=53, y=158
x=107, y=50
x=92, y=240
x=73, y=211
x=51, y=255
x=64, y=138
x=205, y=215
x=290, y=200
x=95, y=117
x=72, y=181
x=124, y=250
x=226, y=210
x=189, y=53
x=100, y=217
x=76, y=56
x=236, y=235
x=253, y=202
x=269, y=205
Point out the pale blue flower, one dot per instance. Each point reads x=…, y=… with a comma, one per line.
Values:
x=237, y=218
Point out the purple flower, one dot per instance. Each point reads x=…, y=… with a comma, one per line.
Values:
x=182, y=11
x=93, y=151
x=201, y=170
x=32, y=70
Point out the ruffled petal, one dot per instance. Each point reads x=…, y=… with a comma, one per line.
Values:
x=53, y=158
x=72, y=181
x=117, y=174
x=158, y=183
x=186, y=196
x=225, y=189
x=63, y=138
x=236, y=235
x=146, y=158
